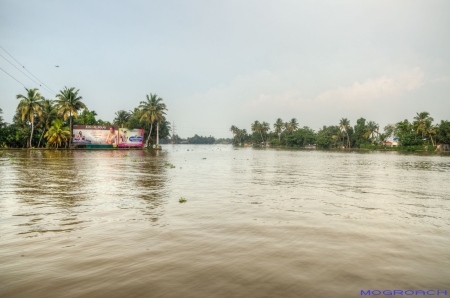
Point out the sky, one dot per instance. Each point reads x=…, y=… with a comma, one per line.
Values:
x=223, y=63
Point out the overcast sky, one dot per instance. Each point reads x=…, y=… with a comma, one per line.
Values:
x=218, y=63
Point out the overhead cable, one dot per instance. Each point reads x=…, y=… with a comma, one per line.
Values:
x=28, y=70
x=25, y=74
x=13, y=77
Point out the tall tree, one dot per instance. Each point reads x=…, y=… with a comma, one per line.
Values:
x=29, y=107
x=265, y=128
x=420, y=122
x=278, y=126
x=291, y=126
x=257, y=128
x=344, y=124
x=68, y=105
x=429, y=130
x=372, y=131
x=152, y=110
x=122, y=118
x=47, y=116
x=235, y=132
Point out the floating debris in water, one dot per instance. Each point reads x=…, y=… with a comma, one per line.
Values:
x=204, y=158
x=182, y=200
x=168, y=164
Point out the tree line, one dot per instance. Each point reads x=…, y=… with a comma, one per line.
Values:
x=420, y=131
x=196, y=139
x=41, y=122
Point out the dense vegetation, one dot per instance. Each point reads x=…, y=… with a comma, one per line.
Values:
x=364, y=134
x=196, y=139
x=41, y=122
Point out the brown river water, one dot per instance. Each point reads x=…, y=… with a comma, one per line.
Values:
x=257, y=223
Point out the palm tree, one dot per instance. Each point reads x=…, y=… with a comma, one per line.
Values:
x=122, y=117
x=339, y=136
x=344, y=124
x=420, y=120
x=265, y=128
x=29, y=106
x=429, y=129
x=57, y=134
x=278, y=127
x=372, y=130
x=292, y=125
x=68, y=104
x=152, y=110
x=242, y=133
x=235, y=132
x=257, y=127
x=47, y=116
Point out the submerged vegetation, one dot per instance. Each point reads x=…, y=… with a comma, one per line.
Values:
x=41, y=122
x=420, y=134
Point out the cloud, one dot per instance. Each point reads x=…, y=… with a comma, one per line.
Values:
x=357, y=95
x=442, y=79
x=267, y=95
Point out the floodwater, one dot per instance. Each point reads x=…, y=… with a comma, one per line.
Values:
x=257, y=223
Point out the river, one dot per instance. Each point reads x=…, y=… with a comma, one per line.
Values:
x=256, y=222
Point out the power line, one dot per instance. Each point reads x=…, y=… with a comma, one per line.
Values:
x=24, y=73
x=28, y=70
x=13, y=77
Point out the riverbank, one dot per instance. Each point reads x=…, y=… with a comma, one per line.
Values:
x=365, y=148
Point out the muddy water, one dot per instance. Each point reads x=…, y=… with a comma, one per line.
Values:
x=257, y=223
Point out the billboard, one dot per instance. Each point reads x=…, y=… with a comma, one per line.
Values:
x=95, y=135
x=131, y=137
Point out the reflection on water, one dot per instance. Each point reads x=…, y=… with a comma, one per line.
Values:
x=257, y=222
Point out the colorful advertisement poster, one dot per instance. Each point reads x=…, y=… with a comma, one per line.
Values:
x=131, y=137
x=95, y=135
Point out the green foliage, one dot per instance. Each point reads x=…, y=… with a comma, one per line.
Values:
x=324, y=138
x=58, y=133
x=201, y=140
x=300, y=137
x=87, y=118
x=182, y=200
x=443, y=132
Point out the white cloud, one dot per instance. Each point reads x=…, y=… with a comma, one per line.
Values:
x=268, y=95
x=356, y=95
x=442, y=79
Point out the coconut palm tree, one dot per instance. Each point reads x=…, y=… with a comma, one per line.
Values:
x=242, y=133
x=292, y=125
x=58, y=133
x=29, y=107
x=372, y=130
x=429, y=130
x=420, y=121
x=68, y=105
x=257, y=127
x=235, y=132
x=344, y=124
x=265, y=128
x=47, y=116
x=339, y=136
x=278, y=127
x=152, y=110
x=122, y=118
